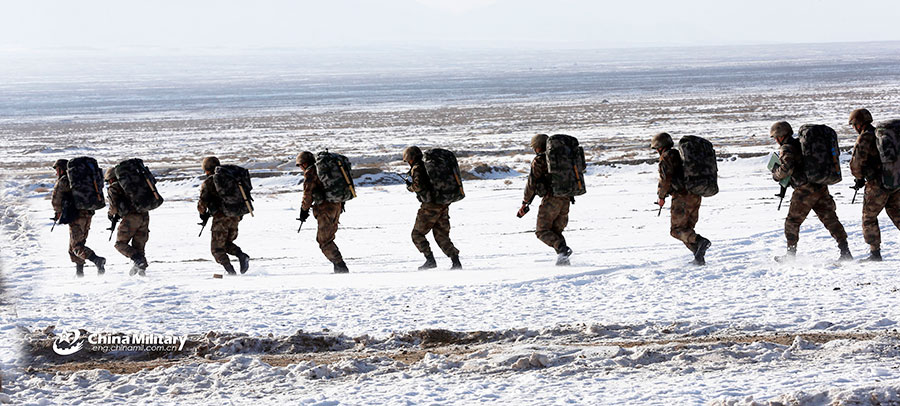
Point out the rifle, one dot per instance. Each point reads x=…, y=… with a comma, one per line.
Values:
x=206, y=216
x=55, y=219
x=854, y=196
x=301, y=224
x=112, y=227
x=781, y=195
x=660, y=210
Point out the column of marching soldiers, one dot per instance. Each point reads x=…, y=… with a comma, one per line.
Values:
x=808, y=162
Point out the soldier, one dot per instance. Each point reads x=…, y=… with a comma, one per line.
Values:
x=134, y=226
x=553, y=215
x=431, y=216
x=224, y=228
x=685, y=209
x=79, y=221
x=866, y=167
x=327, y=214
x=806, y=196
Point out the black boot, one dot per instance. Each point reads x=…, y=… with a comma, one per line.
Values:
x=874, y=256
x=430, y=263
x=788, y=256
x=456, y=263
x=140, y=264
x=100, y=262
x=229, y=269
x=845, y=252
x=700, y=253
x=563, y=254
x=79, y=270
x=244, y=259
x=341, y=267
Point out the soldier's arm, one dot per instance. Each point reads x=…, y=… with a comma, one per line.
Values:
x=863, y=151
x=58, y=194
x=788, y=161
x=420, y=182
x=205, y=196
x=310, y=181
x=537, y=174
x=114, y=198
x=666, y=172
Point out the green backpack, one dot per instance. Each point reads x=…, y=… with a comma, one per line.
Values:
x=334, y=173
x=566, y=164
x=887, y=138
x=443, y=171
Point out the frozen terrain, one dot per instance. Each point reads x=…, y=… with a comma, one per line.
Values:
x=630, y=322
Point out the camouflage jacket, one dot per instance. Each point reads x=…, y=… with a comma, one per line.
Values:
x=421, y=183
x=866, y=162
x=313, y=189
x=791, y=165
x=671, y=173
x=119, y=203
x=538, y=179
x=61, y=191
x=209, y=197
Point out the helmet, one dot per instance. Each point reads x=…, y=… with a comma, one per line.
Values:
x=861, y=116
x=110, y=174
x=661, y=141
x=412, y=154
x=306, y=157
x=210, y=163
x=539, y=142
x=781, y=129
x=61, y=163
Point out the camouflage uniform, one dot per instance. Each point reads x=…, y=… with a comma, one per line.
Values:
x=134, y=226
x=224, y=229
x=553, y=215
x=806, y=196
x=327, y=214
x=685, y=210
x=79, y=227
x=431, y=217
x=866, y=164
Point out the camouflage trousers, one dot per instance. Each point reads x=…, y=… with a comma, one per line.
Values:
x=78, y=234
x=685, y=214
x=135, y=229
x=552, y=219
x=224, y=231
x=877, y=199
x=328, y=215
x=436, y=219
x=816, y=198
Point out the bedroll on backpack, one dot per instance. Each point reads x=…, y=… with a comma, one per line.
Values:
x=233, y=185
x=700, y=169
x=87, y=183
x=887, y=138
x=334, y=172
x=821, y=155
x=566, y=164
x=139, y=185
x=443, y=171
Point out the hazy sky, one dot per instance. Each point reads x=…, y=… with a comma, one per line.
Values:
x=69, y=24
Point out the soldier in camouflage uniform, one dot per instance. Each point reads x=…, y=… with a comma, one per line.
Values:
x=685, y=210
x=553, y=215
x=79, y=221
x=327, y=214
x=224, y=228
x=866, y=167
x=806, y=196
x=431, y=217
x=134, y=226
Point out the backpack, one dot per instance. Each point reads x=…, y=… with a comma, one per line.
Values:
x=139, y=185
x=86, y=180
x=233, y=186
x=443, y=171
x=566, y=164
x=887, y=138
x=700, y=170
x=821, y=155
x=334, y=172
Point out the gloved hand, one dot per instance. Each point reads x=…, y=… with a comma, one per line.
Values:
x=304, y=214
x=204, y=216
x=111, y=217
x=858, y=184
x=523, y=210
x=661, y=202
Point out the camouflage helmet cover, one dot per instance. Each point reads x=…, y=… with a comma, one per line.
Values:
x=412, y=154
x=539, y=141
x=61, y=163
x=781, y=129
x=306, y=157
x=210, y=163
x=661, y=141
x=110, y=174
x=861, y=116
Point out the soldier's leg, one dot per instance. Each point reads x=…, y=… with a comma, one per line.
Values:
x=141, y=235
x=685, y=211
x=561, y=221
x=893, y=207
x=219, y=238
x=441, y=232
x=78, y=234
x=230, y=246
x=127, y=230
x=874, y=201
x=826, y=210
x=328, y=220
x=425, y=220
x=547, y=215
x=797, y=213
